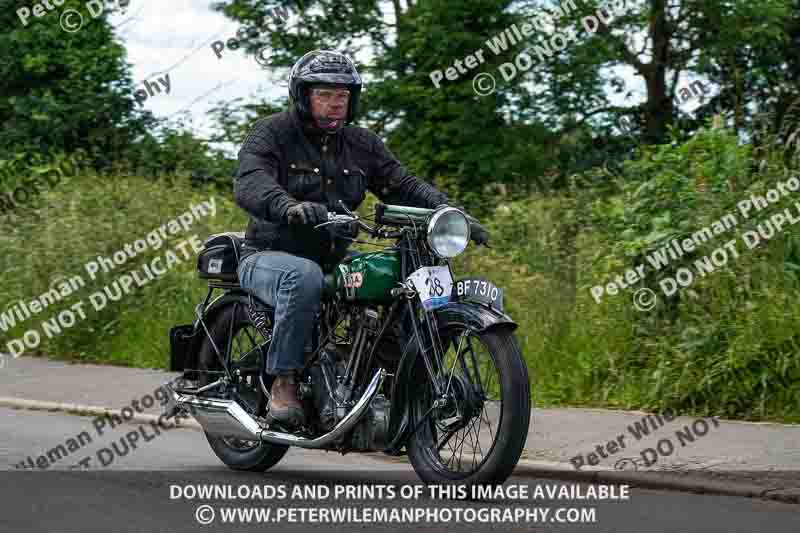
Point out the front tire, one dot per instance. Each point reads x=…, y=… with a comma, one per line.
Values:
x=489, y=465
x=237, y=454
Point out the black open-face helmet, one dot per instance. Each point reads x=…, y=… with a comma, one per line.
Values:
x=323, y=67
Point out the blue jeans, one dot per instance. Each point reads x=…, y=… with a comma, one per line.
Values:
x=291, y=285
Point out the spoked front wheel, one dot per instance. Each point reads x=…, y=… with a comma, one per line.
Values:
x=475, y=430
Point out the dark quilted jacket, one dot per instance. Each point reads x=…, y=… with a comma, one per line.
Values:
x=281, y=163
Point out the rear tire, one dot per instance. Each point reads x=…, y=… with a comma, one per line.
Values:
x=498, y=462
x=257, y=457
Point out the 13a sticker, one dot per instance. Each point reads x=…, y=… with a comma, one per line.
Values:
x=353, y=280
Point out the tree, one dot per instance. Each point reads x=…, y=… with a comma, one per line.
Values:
x=65, y=91
x=554, y=115
x=657, y=40
x=447, y=133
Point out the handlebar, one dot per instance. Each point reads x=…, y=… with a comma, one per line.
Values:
x=350, y=217
x=394, y=215
x=337, y=218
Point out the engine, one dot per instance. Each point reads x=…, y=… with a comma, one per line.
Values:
x=333, y=400
x=333, y=396
x=327, y=389
x=372, y=432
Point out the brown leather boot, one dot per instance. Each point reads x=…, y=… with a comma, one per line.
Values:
x=284, y=406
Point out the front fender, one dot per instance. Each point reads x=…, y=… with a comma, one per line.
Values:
x=472, y=315
x=459, y=314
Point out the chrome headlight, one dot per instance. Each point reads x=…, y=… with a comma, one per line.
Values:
x=448, y=232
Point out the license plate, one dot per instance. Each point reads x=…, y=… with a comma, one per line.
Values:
x=434, y=286
x=479, y=289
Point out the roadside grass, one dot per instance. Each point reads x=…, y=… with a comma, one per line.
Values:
x=727, y=345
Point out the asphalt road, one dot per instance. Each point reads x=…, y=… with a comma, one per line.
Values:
x=137, y=490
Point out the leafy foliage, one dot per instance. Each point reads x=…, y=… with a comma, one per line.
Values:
x=570, y=202
x=64, y=91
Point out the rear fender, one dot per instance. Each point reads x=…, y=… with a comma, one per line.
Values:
x=198, y=335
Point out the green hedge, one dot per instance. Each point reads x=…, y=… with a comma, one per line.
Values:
x=726, y=345
x=89, y=216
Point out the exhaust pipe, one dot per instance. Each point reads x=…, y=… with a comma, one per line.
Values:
x=344, y=426
x=226, y=417
x=218, y=417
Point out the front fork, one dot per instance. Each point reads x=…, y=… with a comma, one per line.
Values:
x=432, y=352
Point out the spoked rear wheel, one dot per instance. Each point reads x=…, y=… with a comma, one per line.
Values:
x=237, y=338
x=474, y=433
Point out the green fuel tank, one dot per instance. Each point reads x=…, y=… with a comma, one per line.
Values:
x=369, y=277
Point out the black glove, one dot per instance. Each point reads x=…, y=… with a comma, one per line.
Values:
x=307, y=213
x=351, y=230
x=478, y=234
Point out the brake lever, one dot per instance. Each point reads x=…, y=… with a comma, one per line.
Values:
x=344, y=207
x=334, y=220
x=326, y=223
x=357, y=219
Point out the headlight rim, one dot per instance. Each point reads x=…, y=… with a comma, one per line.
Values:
x=434, y=218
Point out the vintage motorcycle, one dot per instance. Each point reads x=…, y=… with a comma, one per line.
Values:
x=403, y=358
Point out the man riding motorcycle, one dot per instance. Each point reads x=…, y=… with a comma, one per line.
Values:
x=295, y=167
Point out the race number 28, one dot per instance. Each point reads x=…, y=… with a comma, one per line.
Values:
x=435, y=287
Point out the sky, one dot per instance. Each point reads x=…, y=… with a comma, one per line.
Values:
x=176, y=38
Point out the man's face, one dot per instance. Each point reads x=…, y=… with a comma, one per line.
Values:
x=329, y=105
